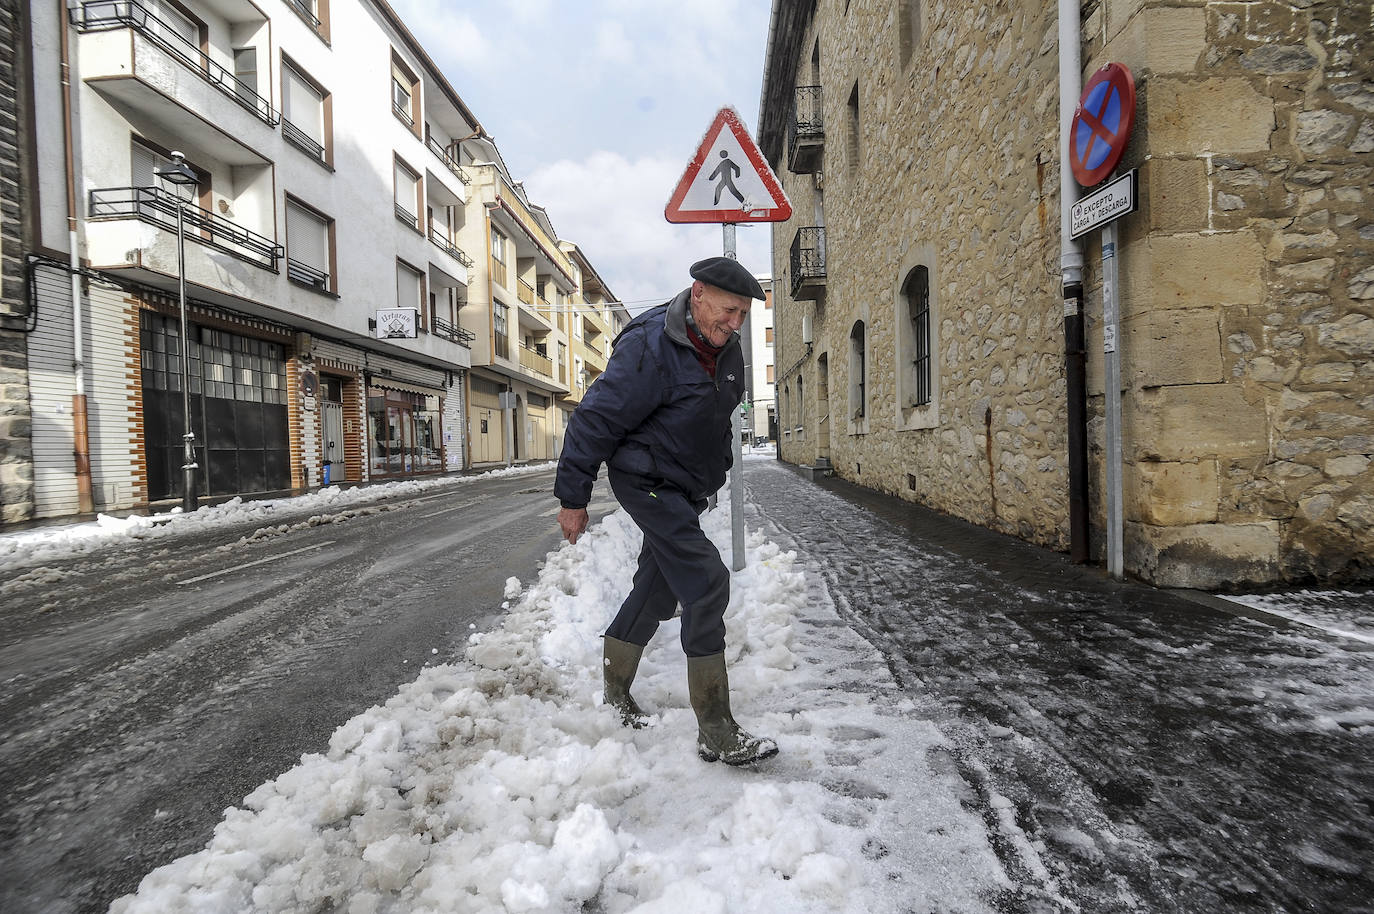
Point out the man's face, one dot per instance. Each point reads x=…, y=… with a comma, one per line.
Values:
x=718, y=313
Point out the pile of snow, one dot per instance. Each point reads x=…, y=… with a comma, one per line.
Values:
x=501, y=783
x=47, y=544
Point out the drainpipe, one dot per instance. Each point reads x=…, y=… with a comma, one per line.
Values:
x=81, y=450
x=1071, y=272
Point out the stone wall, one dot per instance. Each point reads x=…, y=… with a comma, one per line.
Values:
x=1247, y=276
x=1248, y=289
x=16, y=449
x=957, y=172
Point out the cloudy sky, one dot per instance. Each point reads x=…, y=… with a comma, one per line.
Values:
x=598, y=106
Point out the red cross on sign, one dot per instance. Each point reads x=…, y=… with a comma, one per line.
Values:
x=1102, y=124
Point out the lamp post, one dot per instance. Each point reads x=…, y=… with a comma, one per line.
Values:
x=182, y=175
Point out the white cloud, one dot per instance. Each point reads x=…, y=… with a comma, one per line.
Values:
x=613, y=208
x=612, y=44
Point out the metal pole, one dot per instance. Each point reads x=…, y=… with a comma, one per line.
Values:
x=1111, y=319
x=737, y=465
x=188, y=466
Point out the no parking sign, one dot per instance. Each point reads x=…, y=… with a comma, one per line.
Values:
x=1102, y=124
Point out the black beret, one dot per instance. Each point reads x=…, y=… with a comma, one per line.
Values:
x=727, y=274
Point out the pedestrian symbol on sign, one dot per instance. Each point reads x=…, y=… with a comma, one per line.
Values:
x=727, y=178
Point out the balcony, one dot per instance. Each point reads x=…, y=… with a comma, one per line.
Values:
x=440, y=327
x=535, y=361
x=449, y=161
x=808, y=263
x=806, y=132
x=157, y=41
x=158, y=207
x=406, y=216
x=525, y=292
x=448, y=247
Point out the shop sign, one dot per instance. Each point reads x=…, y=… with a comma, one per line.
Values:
x=396, y=323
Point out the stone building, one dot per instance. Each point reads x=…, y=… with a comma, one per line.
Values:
x=16, y=448
x=921, y=344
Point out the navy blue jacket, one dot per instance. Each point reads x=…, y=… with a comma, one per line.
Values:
x=655, y=411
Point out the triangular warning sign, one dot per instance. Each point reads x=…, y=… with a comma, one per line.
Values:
x=728, y=180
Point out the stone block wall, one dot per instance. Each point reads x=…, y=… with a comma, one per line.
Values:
x=16, y=445
x=1247, y=276
x=1247, y=289
x=956, y=170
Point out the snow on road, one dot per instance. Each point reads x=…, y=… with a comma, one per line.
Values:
x=498, y=782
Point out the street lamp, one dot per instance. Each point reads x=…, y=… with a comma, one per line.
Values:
x=182, y=175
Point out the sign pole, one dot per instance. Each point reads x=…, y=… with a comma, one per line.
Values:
x=727, y=230
x=1111, y=320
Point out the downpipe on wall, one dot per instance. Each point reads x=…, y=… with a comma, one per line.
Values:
x=81, y=450
x=1071, y=276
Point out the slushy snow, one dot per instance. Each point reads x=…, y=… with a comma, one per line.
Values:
x=499, y=782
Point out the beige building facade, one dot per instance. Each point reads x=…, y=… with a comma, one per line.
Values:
x=921, y=345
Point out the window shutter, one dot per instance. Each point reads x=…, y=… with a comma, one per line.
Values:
x=405, y=189
x=407, y=287
x=307, y=238
x=142, y=163
x=304, y=106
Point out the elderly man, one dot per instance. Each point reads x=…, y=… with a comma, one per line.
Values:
x=659, y=418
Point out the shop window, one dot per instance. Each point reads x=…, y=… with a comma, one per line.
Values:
x=405, y=432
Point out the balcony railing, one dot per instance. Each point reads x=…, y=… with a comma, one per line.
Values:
x=304, y=141
x=306, y=275
x=159, y=207
x=498, y=273
x=306, y=10
x=104, y=15
x=448, y=160
x=806, y=131
x=525, y=292
x=403, y=114
x=440, y=327
x=448, y=247
x=407, y=216
x=535, y=361
x=808, y=260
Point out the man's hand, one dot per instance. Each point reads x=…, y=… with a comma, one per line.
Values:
x=573, y=521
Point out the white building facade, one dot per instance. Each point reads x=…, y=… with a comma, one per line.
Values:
x=327, y=196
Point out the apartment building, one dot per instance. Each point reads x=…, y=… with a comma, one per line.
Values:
x=596, y=318
x=370, y=295
x=925, y=345
x=760, y=417
x=520, y=275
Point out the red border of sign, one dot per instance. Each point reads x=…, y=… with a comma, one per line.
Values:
x=781, y=210
x=1121, y=79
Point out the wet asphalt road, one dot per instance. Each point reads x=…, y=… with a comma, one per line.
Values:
x=1130, y=750
x=148, y=687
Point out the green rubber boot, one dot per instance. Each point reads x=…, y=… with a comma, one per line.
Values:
x=620, y=664
x=719, y=738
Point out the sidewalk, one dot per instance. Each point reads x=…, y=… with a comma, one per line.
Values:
x=1131, y=749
